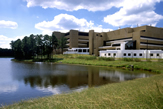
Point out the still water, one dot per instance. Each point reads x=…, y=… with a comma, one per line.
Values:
x=22, y=81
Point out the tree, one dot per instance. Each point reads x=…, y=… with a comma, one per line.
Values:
x=25, y=47
x=54, y=42
x=32, y=45
x=39, y=44
x=62, y=43
x=17, y=45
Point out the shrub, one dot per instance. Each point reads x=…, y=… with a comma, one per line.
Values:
x=106, y=58
x=137, y=59
x=127, y=59
x=160, y=60
x=137, y=67
x=148, y=60
x=87, y=57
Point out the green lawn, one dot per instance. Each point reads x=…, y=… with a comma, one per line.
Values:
x=154, y=66
x=144, y=93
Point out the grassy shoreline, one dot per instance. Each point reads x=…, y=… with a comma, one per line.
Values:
x=138, y=93
x=137, y=64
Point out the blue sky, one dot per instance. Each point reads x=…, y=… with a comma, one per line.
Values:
x=19, y=18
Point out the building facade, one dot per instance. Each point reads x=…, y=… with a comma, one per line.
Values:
x=139, y=38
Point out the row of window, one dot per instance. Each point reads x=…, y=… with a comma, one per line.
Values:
x=109, y=54
x=129, y=54
x=84, y=50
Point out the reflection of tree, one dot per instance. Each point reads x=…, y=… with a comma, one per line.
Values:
x=45, y=81
x=93, y=77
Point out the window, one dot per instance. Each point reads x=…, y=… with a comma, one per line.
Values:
x=88, y=50
x=84, y=50
x=114, y=54
x=118, y=49
x=105, y=54
x=124, y=54
x=157, y=54
x=80, y=50
x=108, y=54
x=134, y=54
x=129, y=54
x=130, y=45
x=113, y=45
x=142, y=30
x=151, y=54
x=83, y=34
x=140, y=54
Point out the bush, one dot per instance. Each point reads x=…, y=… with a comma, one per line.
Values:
x=137, y=59
x=160, y=60
x=127, y=59
x=137, y=67
x=87, y=57
x=106, y=58
x=148, y=60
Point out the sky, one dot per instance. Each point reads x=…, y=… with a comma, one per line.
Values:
x=19, y=18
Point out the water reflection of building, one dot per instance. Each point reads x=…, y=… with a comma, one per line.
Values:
x=93, y=77
x=119, y=76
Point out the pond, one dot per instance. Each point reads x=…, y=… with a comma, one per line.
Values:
x=21, y=81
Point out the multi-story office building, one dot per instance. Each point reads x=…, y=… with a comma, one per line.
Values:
x=139, y=38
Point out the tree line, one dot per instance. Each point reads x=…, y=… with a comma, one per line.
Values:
x=6, y=52
x=38, y=46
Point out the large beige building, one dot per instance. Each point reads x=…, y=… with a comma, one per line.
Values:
x=139, y=38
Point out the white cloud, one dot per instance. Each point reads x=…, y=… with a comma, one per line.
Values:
x=135, y=12
x=65, y=22
x=8, y=24
x=132, y=12
x=71, y=5
x=8, y=88
x=58, y=89
x=5, y=41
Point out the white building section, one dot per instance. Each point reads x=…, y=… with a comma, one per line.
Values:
x=132, y=53
x=77, y=51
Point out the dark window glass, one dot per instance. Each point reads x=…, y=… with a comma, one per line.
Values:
x=114, y=54
x=80, y=50
x=151, y=54
x=140, y=54
x=116, y=45
x=124, y=54
x=83, y=34
x=105, y=54
x=130, y=45
x=129, y=54
x=88, y=50
x=118, y=49
x=104, y=43
x=108, y=54
x=87, y=44
x=84, y=50
x=142, y=30
x=157, y=54
x=134, y=54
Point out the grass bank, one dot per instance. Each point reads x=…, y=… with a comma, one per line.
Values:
x=152, y=65
x=144, y=93
x=138, y=64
